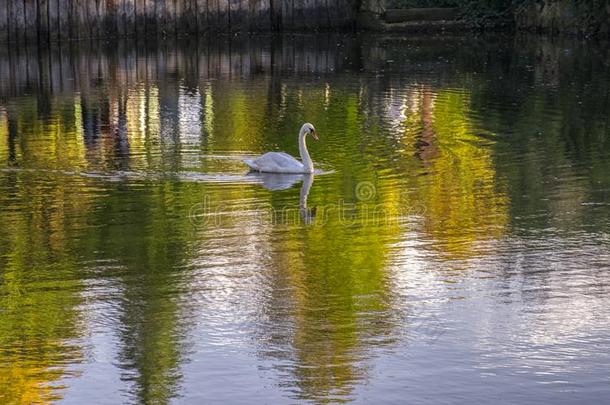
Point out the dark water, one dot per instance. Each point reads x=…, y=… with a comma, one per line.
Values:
x=454, y=248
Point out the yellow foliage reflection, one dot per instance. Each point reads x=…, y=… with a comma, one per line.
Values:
x=331, y=274
x=460, y=192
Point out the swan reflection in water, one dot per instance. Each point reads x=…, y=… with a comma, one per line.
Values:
x=279, y=181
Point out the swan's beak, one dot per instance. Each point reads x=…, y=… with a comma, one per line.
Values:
x=315, y=136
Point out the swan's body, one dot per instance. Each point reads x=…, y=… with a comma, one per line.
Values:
x=280, y=162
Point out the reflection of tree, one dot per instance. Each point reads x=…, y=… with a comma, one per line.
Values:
x=333, y=281
x=150, y=246
x=463, y=204
x=40, y=281
x=343, y=307
x=39, y=288
x=39, y=320
x=39, y=315
x=415, y=138
x=150, y=242
x=330, y=278
x=329, y=269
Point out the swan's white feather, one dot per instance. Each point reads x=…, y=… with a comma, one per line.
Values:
x=280, y=162
x=275, y=162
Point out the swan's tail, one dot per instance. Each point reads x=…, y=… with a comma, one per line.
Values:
x=251, y=164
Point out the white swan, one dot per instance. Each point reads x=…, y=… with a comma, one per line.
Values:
x=280, y=162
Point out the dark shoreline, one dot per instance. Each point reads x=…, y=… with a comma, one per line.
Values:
x=44, y=22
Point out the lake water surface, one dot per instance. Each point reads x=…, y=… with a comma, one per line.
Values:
x=453, y=247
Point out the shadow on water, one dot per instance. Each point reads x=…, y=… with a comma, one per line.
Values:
x=467, y=172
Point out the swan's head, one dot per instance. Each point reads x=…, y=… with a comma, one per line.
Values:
x=308, y=129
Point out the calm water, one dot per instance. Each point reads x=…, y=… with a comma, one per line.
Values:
x=454, y=246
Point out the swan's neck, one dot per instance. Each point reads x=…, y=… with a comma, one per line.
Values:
x=305, y=154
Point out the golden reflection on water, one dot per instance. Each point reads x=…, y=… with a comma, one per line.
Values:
x=407, y=161
x=40, y=292
x=463, y=198
x=335, y=270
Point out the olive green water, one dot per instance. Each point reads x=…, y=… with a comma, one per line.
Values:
x=453, y=247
